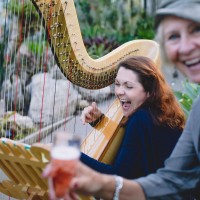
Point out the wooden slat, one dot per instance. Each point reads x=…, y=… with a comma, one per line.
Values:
x=24, y=168
x=13, y=190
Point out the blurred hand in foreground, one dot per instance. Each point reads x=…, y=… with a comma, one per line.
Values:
x=81, y=183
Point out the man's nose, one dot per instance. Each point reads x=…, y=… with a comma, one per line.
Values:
x=187, y=45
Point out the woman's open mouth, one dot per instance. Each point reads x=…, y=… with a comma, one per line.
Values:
x=125, y=104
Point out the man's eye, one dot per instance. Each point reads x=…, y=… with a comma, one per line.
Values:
x=196, y=29
x=116, y=84
x=173, y=37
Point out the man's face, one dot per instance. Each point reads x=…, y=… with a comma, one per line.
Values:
x=182, y=45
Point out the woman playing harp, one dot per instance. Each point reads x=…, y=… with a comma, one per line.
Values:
x=152, y=128
x=63, y=32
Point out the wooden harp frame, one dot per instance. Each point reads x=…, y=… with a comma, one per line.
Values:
x=64, y=36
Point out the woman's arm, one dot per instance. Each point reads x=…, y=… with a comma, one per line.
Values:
x=131, y=160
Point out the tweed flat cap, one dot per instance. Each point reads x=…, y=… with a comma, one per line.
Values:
x=187, y=9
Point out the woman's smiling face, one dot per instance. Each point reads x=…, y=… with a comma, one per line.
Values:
x=182, y=45
x=129, y=90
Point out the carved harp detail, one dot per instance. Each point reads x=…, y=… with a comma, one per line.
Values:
x=64, y=36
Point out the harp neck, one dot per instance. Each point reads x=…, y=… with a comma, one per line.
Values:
x=64, y=35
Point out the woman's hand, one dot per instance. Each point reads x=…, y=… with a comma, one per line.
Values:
x=90, y=113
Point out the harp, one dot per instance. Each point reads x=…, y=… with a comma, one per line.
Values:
x=62, y=29
x=64, y=35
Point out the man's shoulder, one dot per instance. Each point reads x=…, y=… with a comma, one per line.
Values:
x=196, y=107
x=194, y=117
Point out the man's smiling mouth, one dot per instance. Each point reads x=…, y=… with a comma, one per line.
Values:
x=192, y=62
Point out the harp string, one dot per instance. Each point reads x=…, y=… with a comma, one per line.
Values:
x=55, y=21
x=18, y=68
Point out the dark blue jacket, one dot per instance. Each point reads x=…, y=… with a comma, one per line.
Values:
x=144, y=148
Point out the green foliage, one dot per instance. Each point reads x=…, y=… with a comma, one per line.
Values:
x=37, y=48
x=27, y=15
x=145, y=27
x=97, y=42
x=187, y=97
x=111, y=22
x=95, y=51
x=96, y=31
x=25, y=9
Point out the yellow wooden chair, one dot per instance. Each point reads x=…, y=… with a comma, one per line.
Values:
x=23, y=165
